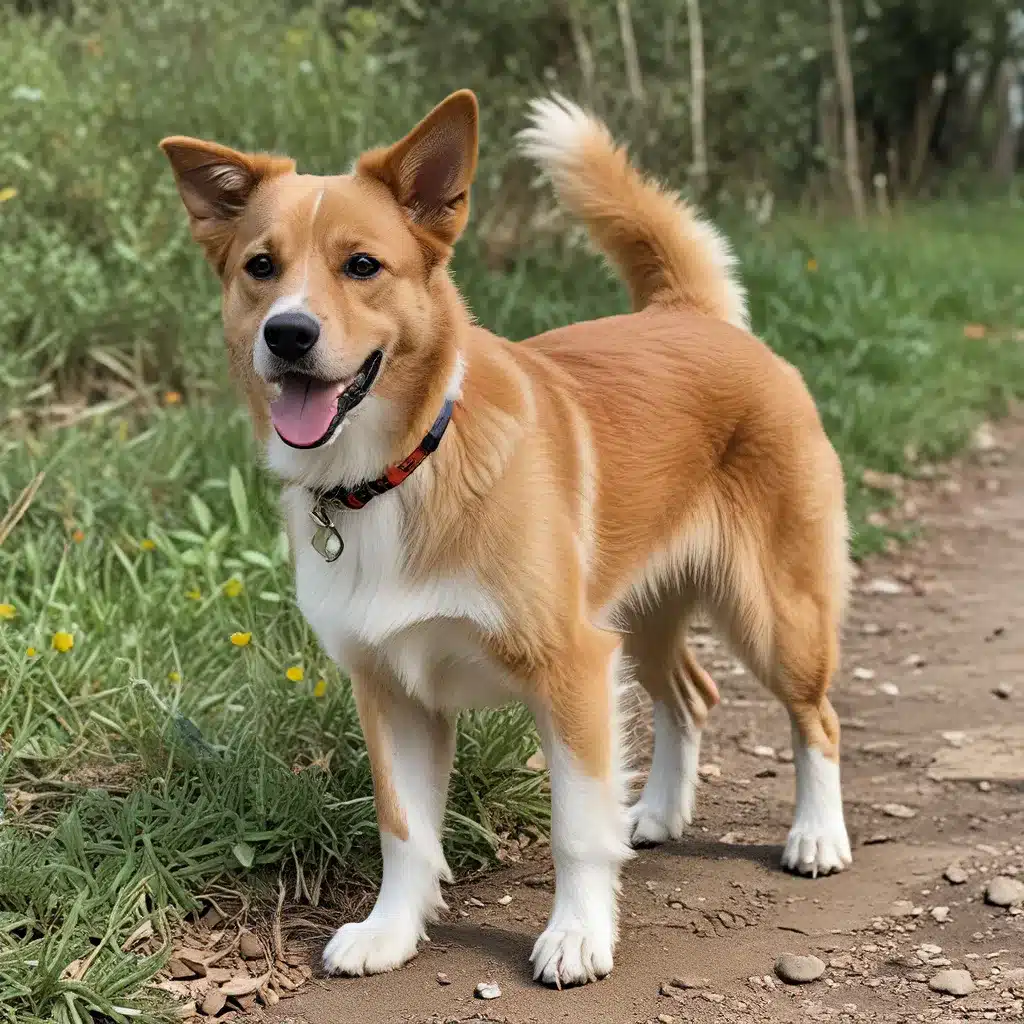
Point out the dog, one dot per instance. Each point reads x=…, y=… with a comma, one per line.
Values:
x=475, y=521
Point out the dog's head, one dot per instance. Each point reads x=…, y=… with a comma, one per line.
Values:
x=333, y=286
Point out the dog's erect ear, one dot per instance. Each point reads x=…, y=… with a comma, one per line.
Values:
x=429, y=171
x=215, y=184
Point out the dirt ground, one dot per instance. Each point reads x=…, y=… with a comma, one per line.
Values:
x=931, y=695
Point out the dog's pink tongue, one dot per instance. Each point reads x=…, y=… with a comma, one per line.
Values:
x=305, y=409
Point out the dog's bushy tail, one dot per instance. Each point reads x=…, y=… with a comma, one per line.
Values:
x=667, y=254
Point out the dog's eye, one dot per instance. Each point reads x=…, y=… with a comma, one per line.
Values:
x=261, y=266
x=362, y=267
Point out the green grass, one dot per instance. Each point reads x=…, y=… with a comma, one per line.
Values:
x=156, y=758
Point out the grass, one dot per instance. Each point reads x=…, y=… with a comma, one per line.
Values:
x=156, y=758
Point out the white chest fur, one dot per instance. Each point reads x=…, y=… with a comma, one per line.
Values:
x=428, y=632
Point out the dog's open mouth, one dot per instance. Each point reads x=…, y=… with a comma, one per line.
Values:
x=308, y=411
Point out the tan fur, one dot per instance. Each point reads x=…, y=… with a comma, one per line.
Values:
x=604, y=478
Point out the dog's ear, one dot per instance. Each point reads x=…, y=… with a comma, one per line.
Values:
x=216, y=184
x=430, y=171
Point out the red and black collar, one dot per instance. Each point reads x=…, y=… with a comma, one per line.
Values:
x=326, y=539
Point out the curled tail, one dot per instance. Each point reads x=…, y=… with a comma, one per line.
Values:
x=666, y=253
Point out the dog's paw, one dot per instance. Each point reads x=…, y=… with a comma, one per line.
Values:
x=650, y=823
x=817, y=851
x=570, y=956
x=365, y=948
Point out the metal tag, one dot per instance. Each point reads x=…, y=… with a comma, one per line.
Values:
x=327, y=542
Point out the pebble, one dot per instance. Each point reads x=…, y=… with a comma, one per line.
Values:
x=1004, y=892
x=940, y=914
x=249, y=946
x=474, y=902
x=687, y=981
x=898, y=811
x=799, y=970
x=955, y=875
x=666, y=1018
x=914, y=660
x=952, y=983
x=505, y=900
x=1013, y=979
x=488, y=990
x=709, y=771
x=712, y=997
x=763, y=751
x=985, y=786
x=955, y=739
x=902, y=908
x=443, y=979
x=883, y=587
x=889, y=689
x=864, y=674
x=871, y=629
x=1003, y=691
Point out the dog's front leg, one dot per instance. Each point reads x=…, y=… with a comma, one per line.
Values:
x=577, y=716
x=411, y=750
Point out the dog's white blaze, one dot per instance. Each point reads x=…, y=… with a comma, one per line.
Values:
x=667, y=801
x=588, y=844
x=818, y=843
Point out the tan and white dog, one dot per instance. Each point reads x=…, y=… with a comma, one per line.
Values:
x=590, y=489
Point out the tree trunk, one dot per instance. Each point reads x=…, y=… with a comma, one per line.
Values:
x=699, y=171
x=584, y=55
x=633, y=79
x=844, y=76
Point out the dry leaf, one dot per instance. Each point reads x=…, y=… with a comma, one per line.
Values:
x=242, y=984
x=214, y=1002
x=143, y=932
x=975, y=331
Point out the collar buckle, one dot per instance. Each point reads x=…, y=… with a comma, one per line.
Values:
x=326, y=541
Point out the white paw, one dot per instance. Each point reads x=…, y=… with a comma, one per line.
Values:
x=655, y=823
x=570, y=956
x=817, y=851
x=365, y=948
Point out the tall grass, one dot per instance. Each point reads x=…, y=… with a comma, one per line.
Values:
x=155, y=756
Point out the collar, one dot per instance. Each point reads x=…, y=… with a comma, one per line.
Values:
x=326, y=539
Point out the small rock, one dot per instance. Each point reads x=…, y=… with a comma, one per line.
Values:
x=955, y=875
x=799, y=970
x=785, y=755
x=709, y=771
x=686, y=981
x=955, y=739
x=914, y=660
x=940, y=914
x=985, y=786
x=952, y=983
x=898, y=811
x=488, y=990
x=249, y=946
x=902, y=908
x=871, y=629
x=213, y=1002
x=763, y=751
x=889, y=689
x=666, y=1018
x=505, y=900
x=883, y=587
x=474, y=902
x=712, y=997
x=1013, y=980
x=864, y=674
x=1004, y=691
x=1004, y=892
x=443, y=979
x=929, y=949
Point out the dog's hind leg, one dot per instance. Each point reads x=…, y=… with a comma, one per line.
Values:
x=683, y=694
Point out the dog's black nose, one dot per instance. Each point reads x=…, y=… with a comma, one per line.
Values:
x=291, y=335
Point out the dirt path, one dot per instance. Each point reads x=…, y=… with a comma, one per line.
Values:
x=716, y=906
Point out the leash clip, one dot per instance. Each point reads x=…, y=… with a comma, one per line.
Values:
x=326, y=541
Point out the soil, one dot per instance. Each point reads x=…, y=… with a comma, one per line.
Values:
x=933, y=773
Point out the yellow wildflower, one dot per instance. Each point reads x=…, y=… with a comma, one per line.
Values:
x=295, y=674
x=78, y=536
x=195, y=594
x=812, y=265
x=232, y=588
x=31, y=652
x=148, y=545
x=172, y=397
x=174, y=677
x=63, y=641
x=241, y=639
x=7, y=193
x=320, y=689
x=7, y=611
